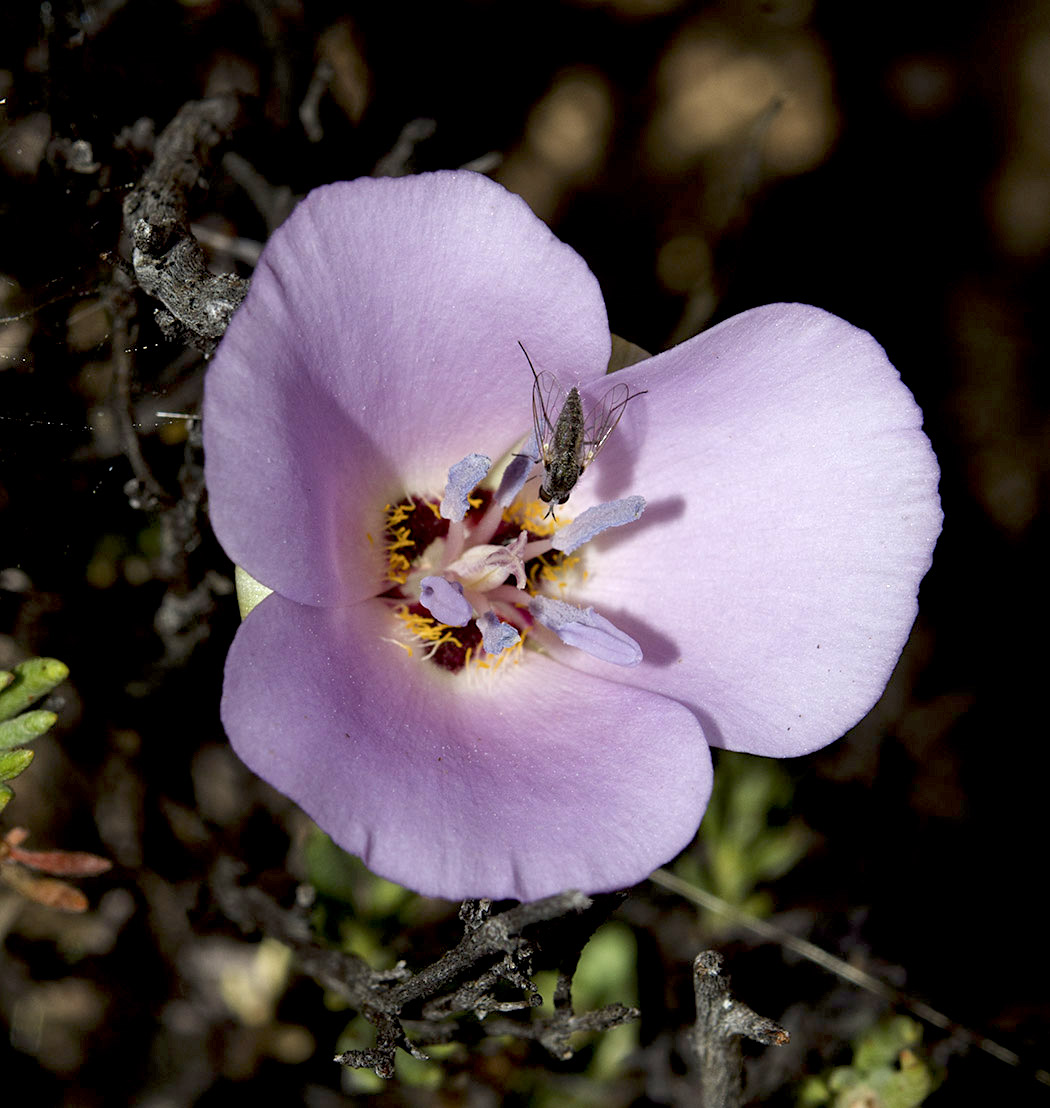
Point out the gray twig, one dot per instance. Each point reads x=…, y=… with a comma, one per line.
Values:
x=309, y=109
x=144, y=489
x=273, y=202
x=492, y=952
x=720, y=1021
x=399, y=161
x=168, y=261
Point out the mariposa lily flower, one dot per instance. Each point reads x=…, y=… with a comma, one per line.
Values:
x=480, y=697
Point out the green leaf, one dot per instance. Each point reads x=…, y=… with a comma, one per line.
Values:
x=812, y=1092
x=777, y=852
x=6, y=792
x=910, y=1085
x=612, y=1051
x=881, y=1044
x=25, y=728
x=606, y=972
x=13, y=762
x=343, y=877
x=33, y=679
x=331, y=871
x=415, y=1071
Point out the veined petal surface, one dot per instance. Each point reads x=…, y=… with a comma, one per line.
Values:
x=377, y=344
x=792, y=511
x=519, y=783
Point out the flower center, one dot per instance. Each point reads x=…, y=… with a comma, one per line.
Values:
x=417, y=546
x=474, y=575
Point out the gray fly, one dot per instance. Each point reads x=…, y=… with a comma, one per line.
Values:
x=568, y=442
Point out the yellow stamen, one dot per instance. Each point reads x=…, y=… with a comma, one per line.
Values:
x=398, y=513
x=556, y=572
x=551, y=568
x=529, y=514
x=427, y=630
x=397, y=565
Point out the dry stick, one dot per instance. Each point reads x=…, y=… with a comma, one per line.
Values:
x=491, y=949
x=309, y=109
x=720, y=1021
x=398, y=162
x=122, y=339
x=168, y=261
x=842, y=969
x=169, y=264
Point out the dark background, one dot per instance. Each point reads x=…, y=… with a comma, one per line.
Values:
x=889, y=163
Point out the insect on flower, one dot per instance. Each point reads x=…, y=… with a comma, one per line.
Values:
x=567, y=442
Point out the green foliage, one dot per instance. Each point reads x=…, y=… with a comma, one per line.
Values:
x=361, y=912
x=355, y=908
x=426, y=1074
x=887, y=1071
x=28, y=683
x=341, y=876
x=25, y=728
x=13, y=762
x=607, y=974
x=743, y=844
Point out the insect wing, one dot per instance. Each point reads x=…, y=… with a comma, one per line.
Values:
x=602, y=419
x=548, y=399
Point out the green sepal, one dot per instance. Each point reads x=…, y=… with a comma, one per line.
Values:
x=13, y=762
x=25, y=728
x=33, y=679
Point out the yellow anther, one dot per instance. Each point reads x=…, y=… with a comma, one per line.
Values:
x=555, y=572
x=398, y=513
x=426, y=629
x=530, y=514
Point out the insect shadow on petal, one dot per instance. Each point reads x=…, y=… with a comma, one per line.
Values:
x=566, y=440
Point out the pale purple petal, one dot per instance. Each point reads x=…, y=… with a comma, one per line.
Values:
x=792, y=512
x=546, y=779
x=377, y=344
